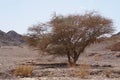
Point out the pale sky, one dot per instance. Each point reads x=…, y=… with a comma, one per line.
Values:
x=18, y=15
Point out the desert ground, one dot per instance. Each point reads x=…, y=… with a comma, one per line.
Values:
x=97, y=62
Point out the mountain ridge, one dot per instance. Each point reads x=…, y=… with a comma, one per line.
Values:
x=10, y=38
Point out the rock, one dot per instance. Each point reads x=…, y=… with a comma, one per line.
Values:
x=106, y=65
x=92, y=54
x=10, y=38
x=17, y=38
x=118, y=55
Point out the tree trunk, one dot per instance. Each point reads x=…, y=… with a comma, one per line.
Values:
x=72, y=64
x=71, y=60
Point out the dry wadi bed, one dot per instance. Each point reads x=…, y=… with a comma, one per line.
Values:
x=97, y=63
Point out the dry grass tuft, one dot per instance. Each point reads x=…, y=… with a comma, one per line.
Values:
x=115, y=47
x=98, y=57
x=107, y=72
x=83, y=71
x=23, y=71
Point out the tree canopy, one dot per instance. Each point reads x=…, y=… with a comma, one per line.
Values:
x=70, y=35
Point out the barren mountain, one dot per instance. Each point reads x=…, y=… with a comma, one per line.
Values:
x=15, y=37
x=10, y=38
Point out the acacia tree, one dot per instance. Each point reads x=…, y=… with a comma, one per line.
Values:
x=70, y=35
x=35, y=33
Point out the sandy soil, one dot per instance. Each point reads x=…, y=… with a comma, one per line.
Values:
x=11, y=56
x=49, y=67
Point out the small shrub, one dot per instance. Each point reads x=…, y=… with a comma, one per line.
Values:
x=107, y=72
x=98, y=57
x=83, y=71
x=115, y=47
x=20, y=46
x=23, y=71
x=47, y=73
x=72, y=65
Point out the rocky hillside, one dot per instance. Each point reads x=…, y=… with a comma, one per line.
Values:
x=10, y=38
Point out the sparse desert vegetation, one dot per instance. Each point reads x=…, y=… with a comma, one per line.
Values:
x=115, y=47
x=50, y=67
x=69, y=35
x=83, y=71
x=107, y=73
x=59, y=39
x=74, y=49
x=23, y=71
